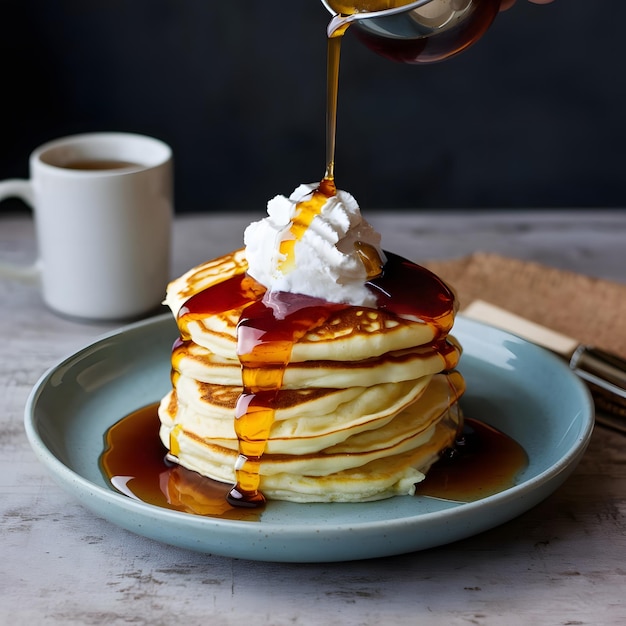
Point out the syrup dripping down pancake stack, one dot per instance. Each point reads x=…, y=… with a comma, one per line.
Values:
x=290, y=396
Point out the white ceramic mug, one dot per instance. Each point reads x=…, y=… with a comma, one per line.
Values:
x=102, y=205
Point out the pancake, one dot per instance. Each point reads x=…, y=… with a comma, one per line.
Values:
x=351, y=334
x=203, y=276
x=192, y=360
x=305, y=421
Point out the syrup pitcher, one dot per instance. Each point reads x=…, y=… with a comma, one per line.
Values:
x=422, y=31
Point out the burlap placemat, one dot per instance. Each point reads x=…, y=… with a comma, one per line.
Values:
x=591, y=310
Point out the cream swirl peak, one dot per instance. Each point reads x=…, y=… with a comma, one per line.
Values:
x=316, y=255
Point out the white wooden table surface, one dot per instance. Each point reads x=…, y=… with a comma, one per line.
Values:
x=563, y=562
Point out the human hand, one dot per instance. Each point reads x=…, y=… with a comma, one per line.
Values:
x=507, y=4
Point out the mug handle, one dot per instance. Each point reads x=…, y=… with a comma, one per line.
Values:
x=22, y=189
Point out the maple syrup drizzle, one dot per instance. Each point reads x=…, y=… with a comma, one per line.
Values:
x=332, y=91
x=369, y=257
x=264, y=349
x=306, y=211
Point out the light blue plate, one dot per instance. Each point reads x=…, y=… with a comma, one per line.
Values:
x=511, y=384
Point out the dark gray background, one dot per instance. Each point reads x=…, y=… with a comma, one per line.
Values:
x=531, y=116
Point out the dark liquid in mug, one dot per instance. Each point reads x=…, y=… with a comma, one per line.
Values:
x=100, y=165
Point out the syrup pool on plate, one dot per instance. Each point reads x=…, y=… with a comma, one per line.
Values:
x=484, y=461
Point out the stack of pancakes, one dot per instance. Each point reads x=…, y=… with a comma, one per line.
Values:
x=368, y=400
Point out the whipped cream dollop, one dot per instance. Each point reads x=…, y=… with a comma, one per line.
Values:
x=326, y=263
